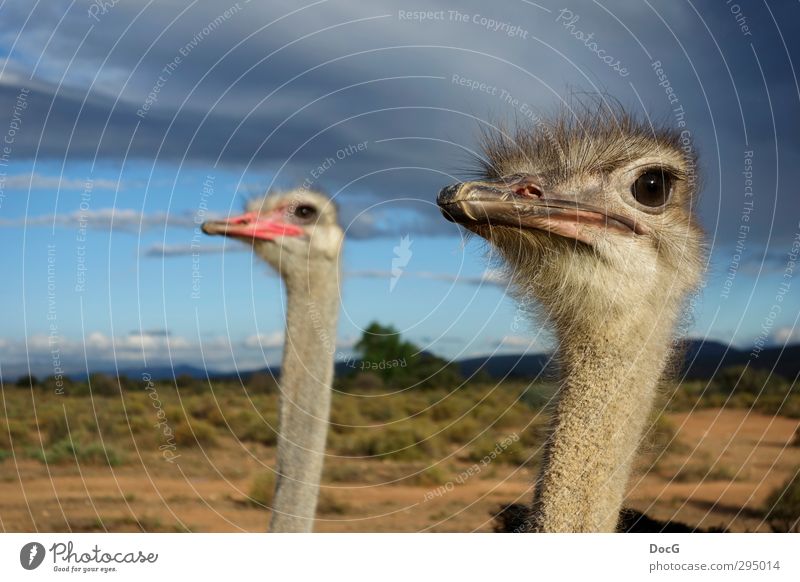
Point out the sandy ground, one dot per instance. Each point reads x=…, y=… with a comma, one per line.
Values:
x=719, y=472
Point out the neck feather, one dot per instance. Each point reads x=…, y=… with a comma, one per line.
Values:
x=306, y=378
x=610, y=371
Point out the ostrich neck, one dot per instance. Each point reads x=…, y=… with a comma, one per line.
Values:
x=305, y=384
x=610, y=371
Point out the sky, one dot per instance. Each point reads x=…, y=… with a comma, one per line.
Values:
x=126, y=123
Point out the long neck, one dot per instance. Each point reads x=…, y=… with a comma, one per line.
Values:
x=610, y=371
x=306, y=377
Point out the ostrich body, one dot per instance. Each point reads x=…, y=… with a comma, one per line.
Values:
x=298, y=234
x=592, y=215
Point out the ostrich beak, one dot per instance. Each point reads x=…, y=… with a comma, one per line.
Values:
x=252, y=225
x=523, y=203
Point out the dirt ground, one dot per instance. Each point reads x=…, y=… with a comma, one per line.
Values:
x=719, y=473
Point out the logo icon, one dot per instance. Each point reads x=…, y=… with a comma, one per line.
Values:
x=31, y=555
x=402, y=255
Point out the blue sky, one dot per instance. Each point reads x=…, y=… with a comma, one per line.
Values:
x=261, y=95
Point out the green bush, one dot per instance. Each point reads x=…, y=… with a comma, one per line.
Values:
x=745, y=379
x=692, y=473
x=345, y=414
x=410, y=442
x=27, y=382
x=341, y=472
x=783, y=506
x=262, y=383
x=432, y=476
x=53, y=426
x=66, y=450
x=14, y=432
x=199, y=434
x=262, y=489
x=104, y=385
x=249, y=426
x=660, y=435
x=791, y=407
x=329, y=504
x=514, y=452
x=463, y=430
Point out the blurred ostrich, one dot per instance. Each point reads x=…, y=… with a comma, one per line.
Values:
x=298, y=234
x=592, y=214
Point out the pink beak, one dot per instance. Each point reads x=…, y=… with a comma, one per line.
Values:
x=253, y=225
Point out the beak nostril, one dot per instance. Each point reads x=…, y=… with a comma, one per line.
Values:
x=528, y=190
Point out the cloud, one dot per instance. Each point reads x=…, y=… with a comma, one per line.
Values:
x=785, y=335
x=264, y=341
x=36, y=181
x=515, y=341
x=363, y=226
x=124, y=219
x=489, y=277
x=179, y=250
x=155, y=347
x=285, y=87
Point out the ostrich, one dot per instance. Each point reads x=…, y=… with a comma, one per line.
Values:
x=298, y=234
x=592, y=216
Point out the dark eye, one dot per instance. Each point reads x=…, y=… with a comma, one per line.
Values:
x=652, y=188
x=305, y=211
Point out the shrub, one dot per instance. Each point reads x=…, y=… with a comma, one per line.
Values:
x=382, y=409
x=411, y=442
x=66, y=450
x=248, y=425
x=748, y=380
x=704, y=472
x=539, y=395
x=448, y=409
x=338, y=472
x=791, y=407
x=13, y=431
x=329, y=504
x=188, y=383
x=463, y=430
x=27, y=381
x=513, y=452
x=432, y=476
x=345, y=414
x=361, y=382
x=262, y=489
x=104, y=385
x=199, y=433
x=660, y=435
x=53, y=426
x=59, y=384
x=262, y=383
x=783, y=506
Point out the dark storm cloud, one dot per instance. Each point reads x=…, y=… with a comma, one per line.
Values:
x=286, y=87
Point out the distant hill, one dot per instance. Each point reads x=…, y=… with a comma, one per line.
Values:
x=507, y=366
x=702, y=359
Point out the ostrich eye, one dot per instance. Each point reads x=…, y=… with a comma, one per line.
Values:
x=652, y=188
x=305, y=211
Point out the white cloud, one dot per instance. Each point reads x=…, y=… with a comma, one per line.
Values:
x=786, y=335
x=516, y=341
x=179, y=250
x=264, y=340
x=158, y=348
x=36, y=181
x=125, y=219
x=488, y=277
